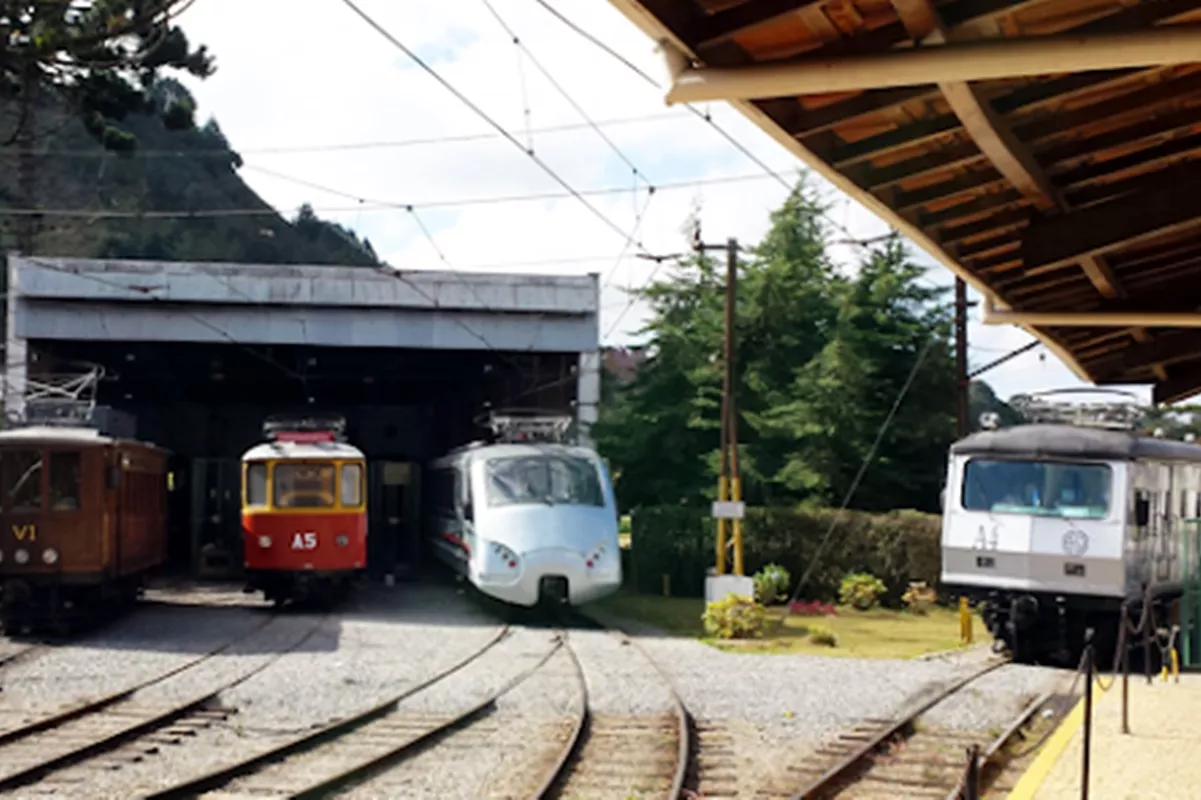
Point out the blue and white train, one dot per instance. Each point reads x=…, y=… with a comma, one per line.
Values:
x=1052, y=528
x=526, y=520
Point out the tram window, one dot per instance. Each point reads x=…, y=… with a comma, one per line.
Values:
x=22, y=476
x=352, y=481
x=64, y=481
x=256, y=485
x=304, y=485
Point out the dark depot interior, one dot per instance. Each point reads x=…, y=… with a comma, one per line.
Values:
x=206, y=404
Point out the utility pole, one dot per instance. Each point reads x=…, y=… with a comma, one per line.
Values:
x=729, y=482
x=730, y=398
x=962, y=381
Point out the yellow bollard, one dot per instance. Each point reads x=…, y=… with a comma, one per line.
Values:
x=722, y=494
x=736, y=494
x=965, y=622
x=1175, y=665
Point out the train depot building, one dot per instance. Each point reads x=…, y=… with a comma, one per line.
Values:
x=198, y=354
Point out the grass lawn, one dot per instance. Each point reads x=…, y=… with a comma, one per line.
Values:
x=881, y=633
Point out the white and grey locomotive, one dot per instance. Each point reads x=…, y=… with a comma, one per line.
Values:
x=1051, y=529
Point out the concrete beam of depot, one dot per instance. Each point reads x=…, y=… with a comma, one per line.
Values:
x=287, y=285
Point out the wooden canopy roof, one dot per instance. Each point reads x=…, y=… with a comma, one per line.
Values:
x=1046, y=151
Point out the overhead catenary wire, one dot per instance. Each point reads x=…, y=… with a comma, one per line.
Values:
x=369, y=205
x=594, y=40
x=387, y=144
x=566, y=95
x=600, y=215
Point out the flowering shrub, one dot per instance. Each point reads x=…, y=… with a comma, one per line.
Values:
x=813, y=608
x=861, y=591
x=822, y=636
x=919, y=598
x=771, y=584
x=735, y=617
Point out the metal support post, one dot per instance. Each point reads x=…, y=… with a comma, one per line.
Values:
x=962, y=382
x=1125, y=673
x=731, y=402
x=1089, y=676
x=971, y=783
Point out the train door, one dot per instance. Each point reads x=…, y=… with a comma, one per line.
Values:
x=393, y=524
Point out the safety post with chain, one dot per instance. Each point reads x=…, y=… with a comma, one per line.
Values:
x=1090, y=673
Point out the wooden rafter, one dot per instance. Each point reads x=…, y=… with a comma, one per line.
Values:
x=978, y=165
x=1171, y=204
x=726, y=25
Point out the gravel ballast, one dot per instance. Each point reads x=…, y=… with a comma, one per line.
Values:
x=376, y=646
x=146, y=643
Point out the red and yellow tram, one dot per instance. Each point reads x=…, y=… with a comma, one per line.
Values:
x=304, y=511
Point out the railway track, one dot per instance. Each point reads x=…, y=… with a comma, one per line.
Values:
x=34, y=751
x=897, y=757
x=622, y=756
x=20, y=654
x=357, y=748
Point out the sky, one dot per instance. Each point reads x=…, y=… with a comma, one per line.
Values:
x=325, y=110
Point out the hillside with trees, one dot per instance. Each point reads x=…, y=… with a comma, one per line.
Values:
x=91, y=121
x=193, y=169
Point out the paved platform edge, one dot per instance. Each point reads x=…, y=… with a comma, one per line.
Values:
x=1034, y=776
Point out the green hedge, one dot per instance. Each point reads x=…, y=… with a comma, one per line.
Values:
x=897, y=547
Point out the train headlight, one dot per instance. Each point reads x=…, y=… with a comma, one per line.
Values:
x=50, y=555
x=264, y=542
x=341, y=540
x=21, y=556
x=506, y=555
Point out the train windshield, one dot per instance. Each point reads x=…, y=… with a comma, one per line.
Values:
x=544, y=478
x=1042, y=488
x=304, y=485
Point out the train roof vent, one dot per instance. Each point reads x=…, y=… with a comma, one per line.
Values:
x=65, y=399
x=1122, y=415
x=529, y=425
x=305, y=427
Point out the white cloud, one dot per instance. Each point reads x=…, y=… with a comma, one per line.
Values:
x=302, y=72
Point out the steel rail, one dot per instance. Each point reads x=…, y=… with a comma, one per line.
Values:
x=314, y=739
x=685, y=743
x=557, y=774
x=35, y=772
x=58, y=718
x=991, y=758
x=412, y=747
x=28, y=651
x=827, y=780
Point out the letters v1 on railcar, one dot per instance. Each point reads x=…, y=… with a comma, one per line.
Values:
x=83, y=508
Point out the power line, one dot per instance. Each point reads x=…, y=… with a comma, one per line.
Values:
x=564, y=93
x=421, y=141
x=365, y=204
x=483, y=115
x=580, y=31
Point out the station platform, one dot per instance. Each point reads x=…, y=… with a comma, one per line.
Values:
x=1159, y=759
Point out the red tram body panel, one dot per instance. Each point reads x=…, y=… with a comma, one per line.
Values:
x=304, y=512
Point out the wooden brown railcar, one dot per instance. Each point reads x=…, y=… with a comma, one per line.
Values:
x=83, y=520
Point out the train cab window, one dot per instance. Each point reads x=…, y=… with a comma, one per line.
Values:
x=22, y=478
x=352, y=484
x=256, y=484
x=64, y=482
x=550, y=479
x=304, y=485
